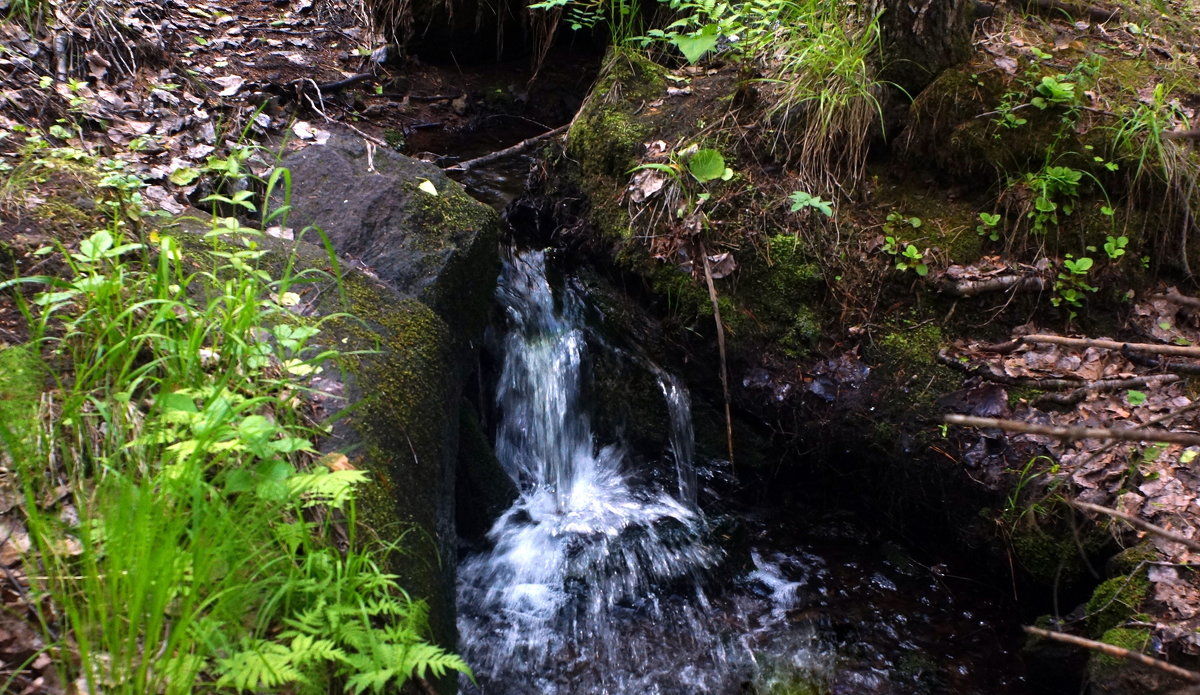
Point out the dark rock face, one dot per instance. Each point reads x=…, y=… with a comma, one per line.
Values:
x=434, y=247
x=428, y=267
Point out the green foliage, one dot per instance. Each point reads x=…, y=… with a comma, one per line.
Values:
x=707, y=165
x=621, y=17
x=987, y=226
x=1055, y=189
x=1114, y=247
x=803, y=201
x=1070, y=284
x=201, y=550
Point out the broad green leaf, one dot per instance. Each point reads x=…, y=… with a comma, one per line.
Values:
x=706, y=165
x=693, y=46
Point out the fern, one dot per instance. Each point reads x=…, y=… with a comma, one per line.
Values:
x=322, y=487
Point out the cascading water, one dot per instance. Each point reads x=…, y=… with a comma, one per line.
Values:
x=599, y=580
x=588, y=554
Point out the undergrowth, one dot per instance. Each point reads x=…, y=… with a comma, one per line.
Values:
x=182, y=525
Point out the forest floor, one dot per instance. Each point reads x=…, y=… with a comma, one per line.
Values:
x=188, y=83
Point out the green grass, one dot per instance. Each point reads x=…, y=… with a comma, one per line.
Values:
x=179, y=515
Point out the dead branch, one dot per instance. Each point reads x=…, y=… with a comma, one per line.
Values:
x=971, y=288
x=982, y=371
x=1144, y=525
x=712, y=296
x=1175, y=297
x=1057, y=8
x=1162, y=365
x=1182, y=134
x=507, y=152
x=1105, y=386
x=1178, y=350
x=1074, y=434
x=1119, y=652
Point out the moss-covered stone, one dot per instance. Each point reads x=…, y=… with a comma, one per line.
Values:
x=1115, y=600
x=1103, y=666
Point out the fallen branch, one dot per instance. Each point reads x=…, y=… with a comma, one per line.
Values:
x=1190, y=544
x=1182, y=134
x=1073, y=434
x=716, y=307
x=1119, y=652
x=1055, y=8
x=1161, y=365
x=983, y=372
x=971, y=288
x=1178, y=350
x=1175, y=297
x=508, y=151
x=1105, y=386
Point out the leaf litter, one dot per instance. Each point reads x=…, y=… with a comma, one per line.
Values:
x=1158, y=483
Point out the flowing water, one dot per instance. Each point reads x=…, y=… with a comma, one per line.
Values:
x=599, y=580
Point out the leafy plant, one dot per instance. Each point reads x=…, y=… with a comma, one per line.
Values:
x=200, y=548
x=1055, y=189
x=803, y=201
x=1054, y=90
x=1114, y=247
x=1070, y=284
x=987, y=226
x=707, y=165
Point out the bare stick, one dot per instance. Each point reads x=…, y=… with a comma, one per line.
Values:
x=1106, y=386
x=1144, y=525
x=1179, y=350
x=1116, y=651
x=508, y=151
x=1175, y=297
x=712, y=296
x=1073, y=434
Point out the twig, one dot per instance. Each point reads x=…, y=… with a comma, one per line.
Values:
x=1144, y=525
x=712, y=296
x=1178, y=350
x=983, y=372
x=508, y=151
x=1073, y=434
x=1105, y=386
x=1113, y=650
x=1165, y=365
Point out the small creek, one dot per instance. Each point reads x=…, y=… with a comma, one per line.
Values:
x=631, y=574
x=624, y=572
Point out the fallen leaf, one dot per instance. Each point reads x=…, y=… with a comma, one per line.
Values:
x=230, y=83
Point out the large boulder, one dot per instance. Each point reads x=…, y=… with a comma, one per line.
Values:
x=424, y=269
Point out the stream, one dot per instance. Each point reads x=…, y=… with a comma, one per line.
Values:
x=621, y=574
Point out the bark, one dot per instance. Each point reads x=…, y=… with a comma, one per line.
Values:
x=921, y=38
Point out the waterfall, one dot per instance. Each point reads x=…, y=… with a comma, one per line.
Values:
x=592, y=571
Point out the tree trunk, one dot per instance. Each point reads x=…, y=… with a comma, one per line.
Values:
x=921, y=38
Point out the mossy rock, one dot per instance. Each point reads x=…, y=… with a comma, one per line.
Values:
x=396, y=389
x=438, y=247
x=1113, y=675
x=1115, y=601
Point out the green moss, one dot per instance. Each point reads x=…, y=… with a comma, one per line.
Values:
x=1102, y=667
x=1115, y=600
x=1132, y=559
x=803, y=335
x=1047, y=548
